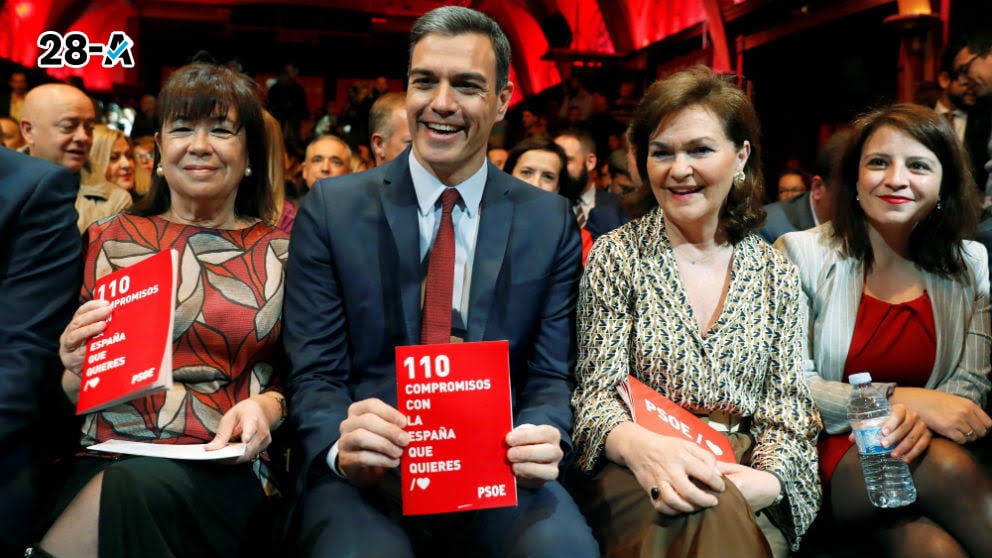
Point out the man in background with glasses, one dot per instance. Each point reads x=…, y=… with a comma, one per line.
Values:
x=960, y=106
x=973, y=65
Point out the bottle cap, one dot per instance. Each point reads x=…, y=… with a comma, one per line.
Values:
x=859, y=379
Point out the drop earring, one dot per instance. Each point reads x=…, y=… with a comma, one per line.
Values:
x=247, y=172
x=738, y=178
x=159, y=171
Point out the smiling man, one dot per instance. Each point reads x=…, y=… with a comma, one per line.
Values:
x=973, y=64
x=57, y=123
x=359, y=257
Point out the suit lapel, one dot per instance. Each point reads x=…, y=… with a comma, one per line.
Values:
x=946, y=302
x=399, y=205
x=495, y=221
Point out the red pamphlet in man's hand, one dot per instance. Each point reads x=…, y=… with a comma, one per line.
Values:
x=457, y=401
x=133, y=355
x=660, y=414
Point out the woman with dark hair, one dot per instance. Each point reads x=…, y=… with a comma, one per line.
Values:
x=541, y=162
x=207, y=201
x=895, y=289
x=690, y=301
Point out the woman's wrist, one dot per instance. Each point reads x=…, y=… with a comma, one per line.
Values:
x=274, y=406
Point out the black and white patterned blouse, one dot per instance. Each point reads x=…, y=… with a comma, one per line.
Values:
x=634, y=317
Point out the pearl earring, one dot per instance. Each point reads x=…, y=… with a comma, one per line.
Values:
x=738, y=178
x=247, y=172
x=159, y=171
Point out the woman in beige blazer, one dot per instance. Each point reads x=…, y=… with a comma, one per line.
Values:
x=894, y=288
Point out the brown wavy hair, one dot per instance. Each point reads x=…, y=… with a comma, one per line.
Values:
x=742, y=211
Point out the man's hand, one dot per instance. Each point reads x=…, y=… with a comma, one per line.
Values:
x=534, y=453
x=372, y=440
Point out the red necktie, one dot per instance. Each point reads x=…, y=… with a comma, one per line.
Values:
x=435, y=326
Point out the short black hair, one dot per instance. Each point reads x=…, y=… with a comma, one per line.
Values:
x=450, y=21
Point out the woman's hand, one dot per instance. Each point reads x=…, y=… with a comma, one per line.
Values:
x=89, y=320
x=760, y=488
x=678, y=475
x=249, y=422
x=906, y=431
x=951, y=416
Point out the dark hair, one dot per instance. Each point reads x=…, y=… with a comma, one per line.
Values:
x=935, y=244
x=584, y=138
x=451, y=21
x=202, y=91
x=537, y=143
x=742, y=212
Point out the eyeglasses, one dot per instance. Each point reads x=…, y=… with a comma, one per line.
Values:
x=144, y=156
x=961, y=72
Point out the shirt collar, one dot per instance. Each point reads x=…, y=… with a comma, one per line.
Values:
x=588, y=197
x=429, y=188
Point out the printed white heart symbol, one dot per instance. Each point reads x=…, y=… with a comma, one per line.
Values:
x=92, y=382
x=423, y=483
x=717, y=451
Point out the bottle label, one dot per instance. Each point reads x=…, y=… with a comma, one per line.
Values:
x=868, y=435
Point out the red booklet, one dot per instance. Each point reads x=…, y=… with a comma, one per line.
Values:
x=133, y=355
x=660, y=414
x=457, y=401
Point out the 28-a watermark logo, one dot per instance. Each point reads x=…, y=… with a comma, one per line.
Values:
x=75, y=50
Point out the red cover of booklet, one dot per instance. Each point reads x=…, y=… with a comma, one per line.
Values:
x=133, y=355
x=660, y=414
x=457, y=401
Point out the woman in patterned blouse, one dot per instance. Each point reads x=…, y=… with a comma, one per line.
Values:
x=895, y=289
x=688, y=300
x=206, y=202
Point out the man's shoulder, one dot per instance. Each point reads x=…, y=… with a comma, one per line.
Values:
x=21, y=173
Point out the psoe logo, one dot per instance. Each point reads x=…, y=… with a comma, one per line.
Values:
x=75, y=50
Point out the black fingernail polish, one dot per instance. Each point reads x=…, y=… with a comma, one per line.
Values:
x=655, y=493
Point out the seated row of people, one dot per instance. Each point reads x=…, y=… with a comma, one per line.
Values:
x=687, y=298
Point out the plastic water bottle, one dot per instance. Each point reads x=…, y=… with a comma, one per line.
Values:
x=889, y=482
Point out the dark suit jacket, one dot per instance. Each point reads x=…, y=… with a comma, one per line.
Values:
x=793, y=214
x=606, y=215
x=976, y=141
x=353, y=287
x=40, y=273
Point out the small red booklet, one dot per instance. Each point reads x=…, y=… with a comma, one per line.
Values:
x=457, y=401
x=660, y=414
x=133, y=355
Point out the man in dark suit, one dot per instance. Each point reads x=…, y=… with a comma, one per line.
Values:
x=973, y=64
x=39, y=291
x=597, y=211
x=811, y=208
x=971, y=119
x=354, y=281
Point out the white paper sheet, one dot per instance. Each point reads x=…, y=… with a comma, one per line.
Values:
x=169, y=451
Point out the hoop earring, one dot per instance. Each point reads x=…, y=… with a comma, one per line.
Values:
x=159, y=171
x=739, y=178
x=247, y=172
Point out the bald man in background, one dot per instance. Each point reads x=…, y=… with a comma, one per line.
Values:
x=57, y=123
x=390, y=131
x=326, y=156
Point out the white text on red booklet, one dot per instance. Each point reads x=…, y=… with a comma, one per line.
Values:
x=456, y=398
x=660, y=414
x=133, y=355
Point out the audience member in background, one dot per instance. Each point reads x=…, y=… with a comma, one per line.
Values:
x=287, y=101
x=621, y=181
x=12, y=102
x=11, y=133
x=541, y=162
x=576, y=97
x=111, y=160
x=39, y=282
x=327, y=122
x=814, y=207
x=972, y=120
x=211, y=194
x=895, y=289
x=283, y=210
x=497, y=156
x=354, y=277
x=57, y=123
x=793, y=182
x=144, y=156
x=326, y=156
x=973, y=63
x=144, y=120
x=691, y=302
x=596, y=210
x=388, y=126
